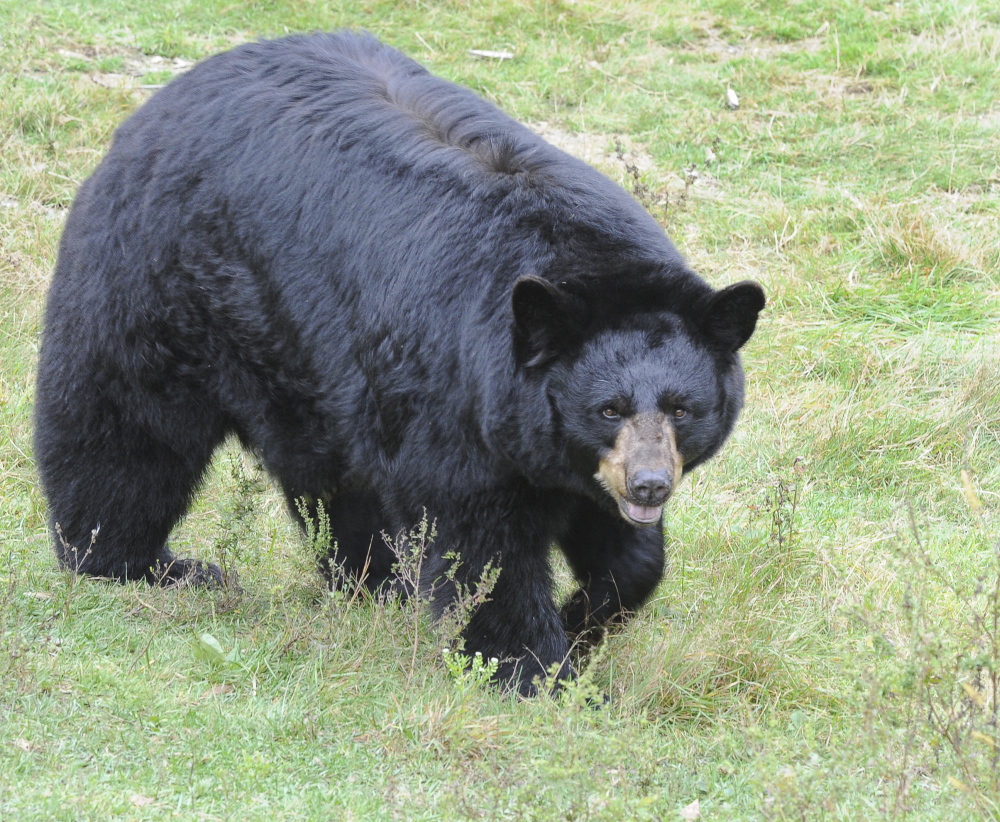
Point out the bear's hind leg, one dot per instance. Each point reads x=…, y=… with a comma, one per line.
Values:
x=117, y=485
x=357, y=551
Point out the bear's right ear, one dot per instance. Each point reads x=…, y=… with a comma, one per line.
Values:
x=546, y=321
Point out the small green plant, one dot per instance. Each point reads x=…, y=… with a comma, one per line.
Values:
x=582, y=691
x=783, y=503
x=469, y=673
x=209, y=649
x=411, y=549
x=239, y=519
x=467, y=597
x=319, y=540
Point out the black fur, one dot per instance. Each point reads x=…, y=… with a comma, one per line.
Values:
x=401, y=300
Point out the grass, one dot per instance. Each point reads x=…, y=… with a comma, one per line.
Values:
x=829, y=603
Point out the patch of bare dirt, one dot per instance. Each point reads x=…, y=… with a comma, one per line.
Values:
x=597, y=150
x=630, y=164
x=10, y=202
x=137, y=64
x=715, y=43
x=991, y=119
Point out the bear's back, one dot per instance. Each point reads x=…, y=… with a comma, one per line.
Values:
x=331, y=174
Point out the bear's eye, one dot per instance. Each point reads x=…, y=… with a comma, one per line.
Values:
x=679, y=412
x=610, y=413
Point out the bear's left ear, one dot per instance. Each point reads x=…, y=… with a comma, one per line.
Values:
x=731, y=314
x=547, y=321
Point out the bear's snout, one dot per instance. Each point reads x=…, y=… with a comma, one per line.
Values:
x=643, y=467
x=650, y=487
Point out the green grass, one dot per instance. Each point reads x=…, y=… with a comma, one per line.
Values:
x=831, y=572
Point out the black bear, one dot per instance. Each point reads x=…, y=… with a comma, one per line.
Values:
x=402, y=301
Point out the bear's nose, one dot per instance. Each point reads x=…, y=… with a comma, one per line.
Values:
x=650, y=487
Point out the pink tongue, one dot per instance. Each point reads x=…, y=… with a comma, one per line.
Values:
x=643, y=514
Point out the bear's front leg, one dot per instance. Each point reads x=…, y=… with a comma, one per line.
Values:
x=618, y=566
x=518, y=623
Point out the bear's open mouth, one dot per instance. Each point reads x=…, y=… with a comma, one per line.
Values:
x=640, y=514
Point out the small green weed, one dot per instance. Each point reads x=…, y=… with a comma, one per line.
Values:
x=469, y=673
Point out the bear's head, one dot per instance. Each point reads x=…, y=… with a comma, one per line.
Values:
x=638, y=396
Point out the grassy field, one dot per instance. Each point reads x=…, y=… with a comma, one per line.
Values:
x=826, y=644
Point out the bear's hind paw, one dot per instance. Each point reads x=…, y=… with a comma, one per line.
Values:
x=187, y=572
